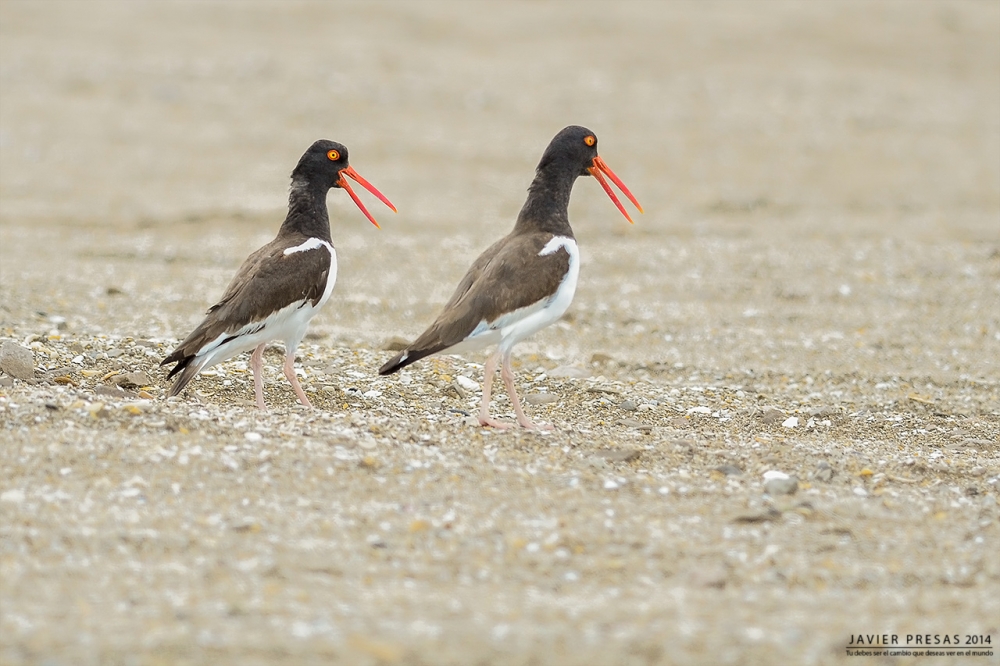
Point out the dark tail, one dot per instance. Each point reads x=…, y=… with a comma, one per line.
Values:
x=184, y=367
x=404, y=358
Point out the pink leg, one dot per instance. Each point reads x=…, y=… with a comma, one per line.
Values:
x=293, y=380
x=484, y=410
x=257, y=364
x=507, y=373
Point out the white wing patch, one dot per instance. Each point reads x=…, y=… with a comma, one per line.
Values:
x=311, y=244
x=557, y=242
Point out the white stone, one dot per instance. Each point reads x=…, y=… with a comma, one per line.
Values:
x=466, y=383
x=12, y=496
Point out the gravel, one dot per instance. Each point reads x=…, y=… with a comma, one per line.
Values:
x=819, y=244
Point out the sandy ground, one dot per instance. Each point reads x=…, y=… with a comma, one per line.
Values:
x=813, y=290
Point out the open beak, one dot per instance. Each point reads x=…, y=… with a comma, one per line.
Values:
x=342, y=182
x=598, y=171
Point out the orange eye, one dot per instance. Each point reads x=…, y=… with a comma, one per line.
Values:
x=590, y=140
x=333, y=155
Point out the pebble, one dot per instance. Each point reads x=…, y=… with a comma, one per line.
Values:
x=568, y=372
x=541, y=398
x=628, y=405
x=779, y=483
x=467, y=383
x=113, y=392
x=253, y=436
x=603, y=389
x=781, y=486
x=769, y=514
x=772, y=416
x=132, y=380
x=618, y=455
x=823, y=472
x=729, y=470
x=632, y=423
x=16, y=360
x=790, y=422
x=683, y=446
x=12, y=496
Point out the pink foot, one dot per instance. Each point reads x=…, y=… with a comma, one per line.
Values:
x=493, y=423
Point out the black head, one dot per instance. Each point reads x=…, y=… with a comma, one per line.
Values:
x=322, y=163
x=573, y=151
x=324, y=166
x=574, y=147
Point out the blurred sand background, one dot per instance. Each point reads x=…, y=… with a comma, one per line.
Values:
x=821, y=239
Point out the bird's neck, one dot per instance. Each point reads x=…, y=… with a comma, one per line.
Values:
x=307, y=213
x=547, y=205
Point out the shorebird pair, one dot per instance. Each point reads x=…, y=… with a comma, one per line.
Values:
x=519, y=285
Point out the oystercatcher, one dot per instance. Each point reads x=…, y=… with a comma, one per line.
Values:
x=526, y=280
x=281, y=286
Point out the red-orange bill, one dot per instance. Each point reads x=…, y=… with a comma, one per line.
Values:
x=598, y=170
x=368, y=186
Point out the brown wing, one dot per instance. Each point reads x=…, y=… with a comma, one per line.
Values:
x=476, y=271
x=268, y=281
x=508, y=276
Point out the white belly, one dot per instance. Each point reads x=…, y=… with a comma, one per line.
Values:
x=288, y=324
